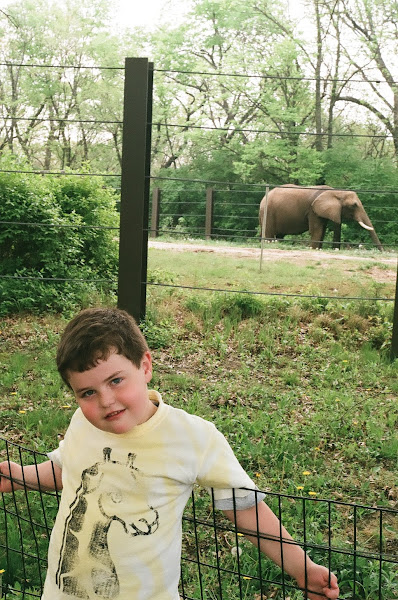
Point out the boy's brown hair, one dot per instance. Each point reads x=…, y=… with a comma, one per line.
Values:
x=93, y=334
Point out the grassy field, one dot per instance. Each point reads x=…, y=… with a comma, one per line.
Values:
x=302, y=388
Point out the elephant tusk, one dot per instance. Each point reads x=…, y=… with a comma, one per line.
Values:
x=365, y=226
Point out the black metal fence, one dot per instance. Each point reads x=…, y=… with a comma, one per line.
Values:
x=135, y=201
x=359, y=543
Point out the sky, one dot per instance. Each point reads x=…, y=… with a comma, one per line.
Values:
x=147, y=13
x=130, y=13
x=144, y=13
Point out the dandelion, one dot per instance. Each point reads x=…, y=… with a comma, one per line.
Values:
x=22, y=412
x=317, y=448
x=355, y=422
x=337, y=399
x=2, y=570
x=66, y=406
x=345, y=361
x=306, y=472
x=245, y=577
x=13, y=393
x=241, y=535
x=300, y=487
x=257, y=474
x=312, y=493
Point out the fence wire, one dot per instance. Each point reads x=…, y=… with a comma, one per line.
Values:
x=357, y=542
x=192, y=227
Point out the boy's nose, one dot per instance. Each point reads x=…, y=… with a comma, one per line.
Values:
x=106, y=399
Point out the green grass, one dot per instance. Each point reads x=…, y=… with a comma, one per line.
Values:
x=286, y=273
x=302, y=388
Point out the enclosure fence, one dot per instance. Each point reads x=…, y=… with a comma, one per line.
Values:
x=139, y=218
x=358, y=543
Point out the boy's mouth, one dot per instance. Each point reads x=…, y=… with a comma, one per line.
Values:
x=114, y=414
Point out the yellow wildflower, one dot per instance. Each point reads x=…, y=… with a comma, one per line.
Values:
x=300, y=487
x=306, y=472
x=22, y=412
x=312, y=493
x=66, y=406
x=13, y=393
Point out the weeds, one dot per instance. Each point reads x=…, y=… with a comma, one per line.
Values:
x=303, y=390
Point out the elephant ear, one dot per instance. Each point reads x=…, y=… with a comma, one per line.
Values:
x=327, y=206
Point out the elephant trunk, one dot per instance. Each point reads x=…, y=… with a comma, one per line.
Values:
x=366, y=224
x=376, y=240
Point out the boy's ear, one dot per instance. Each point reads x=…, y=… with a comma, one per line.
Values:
x=146, y=364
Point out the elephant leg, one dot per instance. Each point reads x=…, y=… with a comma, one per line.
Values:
x=317, y=232
x=337, y=235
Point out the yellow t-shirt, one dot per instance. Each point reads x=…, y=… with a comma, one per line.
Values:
x=117, y=535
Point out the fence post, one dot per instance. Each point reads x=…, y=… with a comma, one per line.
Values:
x=134, y=204
x=209, y=212
x=263, y=226
x=156, y=195
x=394, y=340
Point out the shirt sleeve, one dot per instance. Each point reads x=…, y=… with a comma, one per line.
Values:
x=56, y=455
x=222, y=474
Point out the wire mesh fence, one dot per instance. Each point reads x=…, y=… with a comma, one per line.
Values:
x=358, y=543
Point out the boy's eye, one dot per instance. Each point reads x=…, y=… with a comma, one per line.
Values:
x=117, y=380
x=87, y=393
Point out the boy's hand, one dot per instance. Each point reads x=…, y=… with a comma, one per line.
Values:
x=9, y=470
x=44, y=476
x=318, y=581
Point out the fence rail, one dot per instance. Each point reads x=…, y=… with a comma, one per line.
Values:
x=358, y=542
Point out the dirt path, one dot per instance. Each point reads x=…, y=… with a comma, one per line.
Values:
x=271, y=252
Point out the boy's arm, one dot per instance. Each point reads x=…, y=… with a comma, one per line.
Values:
x=43, y=476
x=295, y=562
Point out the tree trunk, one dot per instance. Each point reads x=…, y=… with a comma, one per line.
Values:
x=319, y=58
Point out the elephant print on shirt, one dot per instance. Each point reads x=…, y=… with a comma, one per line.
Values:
x=85, y=538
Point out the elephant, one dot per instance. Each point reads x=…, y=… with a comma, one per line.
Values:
x=293, y=209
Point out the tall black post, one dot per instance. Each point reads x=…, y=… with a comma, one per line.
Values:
x=134, y=205
x=394, y=341
x=209, y=212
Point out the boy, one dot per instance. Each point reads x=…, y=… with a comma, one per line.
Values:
x=127, y=465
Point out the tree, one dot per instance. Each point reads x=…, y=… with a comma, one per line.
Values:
x=373, y=25
x=53, y=115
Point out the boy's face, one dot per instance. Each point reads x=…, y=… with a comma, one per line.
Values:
x=113, y=394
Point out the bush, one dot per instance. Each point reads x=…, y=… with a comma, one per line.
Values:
x=55, y=229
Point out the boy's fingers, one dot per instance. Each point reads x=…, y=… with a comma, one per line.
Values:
x=332, y=593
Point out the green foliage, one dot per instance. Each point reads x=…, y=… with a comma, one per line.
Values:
x=346, y=167
x=183, y=210
x=252, y=367
x=234, y=101
x=55, y=230
x=232, y=307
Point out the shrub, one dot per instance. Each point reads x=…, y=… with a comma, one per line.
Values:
x=55, y=229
